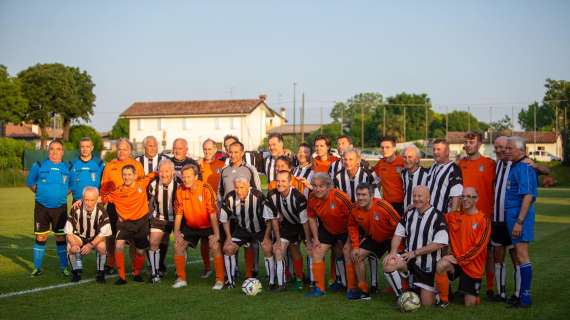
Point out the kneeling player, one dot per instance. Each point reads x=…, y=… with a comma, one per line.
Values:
x=469, y=234
x=424, y=233
x=86, y=229
x=371, y=225
x=244, y=205
x=286, y=207
x=196, y=205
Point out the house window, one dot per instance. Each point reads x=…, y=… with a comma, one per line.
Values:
x=140, y=124
x=159, y=124
x=217, y=123
x=232, y=123
x=541, y=148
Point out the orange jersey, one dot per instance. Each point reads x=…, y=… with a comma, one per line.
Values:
x=332, y=211
x=468, y=237
x=295, y=183
x=379, y=222
x=112, y=177
x=390, y=179
x=196, y=204
x=211, y=172
x=480, y=174
x=323, y=165
x=131, y=201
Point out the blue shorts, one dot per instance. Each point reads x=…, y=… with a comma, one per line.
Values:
x=527, y=234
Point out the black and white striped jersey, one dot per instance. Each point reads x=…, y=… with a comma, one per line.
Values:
x=412, y=180
x=247, y=213
x=150, y=165
x=86, y=224
x=419, y=230
x=304, y=171
x=162, y=200
x=502, y=175
x=336, y=166
x=444, y=182
x=292, y=208
x=348, y=185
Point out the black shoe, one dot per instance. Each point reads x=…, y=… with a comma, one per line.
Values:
x=229, y=285
x=100, y=278
x=254, y=274
x=518, y=305
x=120, y=282
x=138, y=278
x=512, y=300
x=497, y=298
x=272, y=287
x=282, y=288
x=110, y=271
x=490, y=294
x=75, y=276
x=373, y=290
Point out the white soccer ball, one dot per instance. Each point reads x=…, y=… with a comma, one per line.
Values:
x=409, y=301
x=251, y=287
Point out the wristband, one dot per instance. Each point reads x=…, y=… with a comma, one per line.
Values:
x=520, y=221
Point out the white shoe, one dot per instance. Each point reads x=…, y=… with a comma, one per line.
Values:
x=218, y=286
x=155, y=280
x=206, y=274
x=179, y=283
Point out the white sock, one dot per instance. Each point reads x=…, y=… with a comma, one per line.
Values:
x=101, y=260
x=270, y=269
x=395, y=281
x=501, y=278
x=310, y=268
x=517, y=281
x=75, y=261
x=280, y=270
x=230, y=263
x=340, y=271
x=373, y=263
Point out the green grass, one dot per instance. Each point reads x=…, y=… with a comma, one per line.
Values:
x=550, y=254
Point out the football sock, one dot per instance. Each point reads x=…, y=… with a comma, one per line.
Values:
x=298, y=267
x=205, y=253
x=341, y=271
x=270, y=269
x=120, y=262
x=526, y=279
x=373, y=264
x=62, y=254
x=111, y=261
x=319, y=274
x=154, y=259
x=442, y=285
x=350, y=276
x=249, y=263
x=490, y=275
x=230, y=264
x=332, y=266
x=280, y=271
x=310, y=269
x=75, y=261
x=219, y=268
x=39, y=253
x=163, y=247
x=180, y=264
x=517, y=277
x=363, y=286
x=138, y=264
x=101, y=259
x=395, y=281
x=501, y=279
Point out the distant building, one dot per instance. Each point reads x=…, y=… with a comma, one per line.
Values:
x=295, y=130
x=31, y=132
x=248, y=119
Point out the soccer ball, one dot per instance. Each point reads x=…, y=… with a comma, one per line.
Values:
x=251, y=287
x=409, y=301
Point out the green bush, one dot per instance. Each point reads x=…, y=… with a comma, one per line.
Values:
x=110, y=155
x=12, y=178
x=12, y=153
x=80, y=131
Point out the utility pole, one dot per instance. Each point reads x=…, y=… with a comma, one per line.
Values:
x=303, y=118
x=490, y=128
x=426, y=146
x=294, y=107
x=468, y=118
x=341, y=120
x=362, y=127
x=384, y=122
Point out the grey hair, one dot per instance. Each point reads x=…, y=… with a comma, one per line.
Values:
x=90, y=188
x=241, y=179
x=323, y=177
x=166, y=162
x=124, y=140
x=147, y=138
x=182, y=140
x=415, y=149
x=353, y=150
x=502, y=138
x=209, y=140
x=519, y=142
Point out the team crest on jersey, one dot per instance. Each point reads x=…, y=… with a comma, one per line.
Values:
x=474, y=226
x=93, y=176
x=200, y=198
x=377, y=217
x=139, y=189
x=219, y=170
x=64, y=179
x=332, y=205
x=481, y=168
x=399, y=169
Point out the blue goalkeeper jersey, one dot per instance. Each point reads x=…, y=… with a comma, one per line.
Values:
x=85, y=174
x=51, y=181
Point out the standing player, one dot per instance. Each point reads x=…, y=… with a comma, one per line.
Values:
x=243, y=206
x=162, y=217
x=86, y=170
x=86, y=229
x=424, y=233
x=371, y=226
x=180, y=156
x=283, y=163
x=444, y=180
x=131, y=202
x=469, y=234
x=343, y=143
x=413, y=174
x=323, y=160
x=520, y=196
x=286, y=208
x=479, y=172
x=151, y=158
x=196, y=205
x=388, y=170
x=49, y=180
x=328, y=211
x=303, y=171
x=276, y=150
x=249, y=157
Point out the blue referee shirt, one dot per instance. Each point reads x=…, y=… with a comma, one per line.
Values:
x=52, y=181
x=84, y=174
x=522, y=181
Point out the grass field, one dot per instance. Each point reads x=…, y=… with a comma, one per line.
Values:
x=550, y=255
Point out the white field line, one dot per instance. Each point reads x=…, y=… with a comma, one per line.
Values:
x=63, y=285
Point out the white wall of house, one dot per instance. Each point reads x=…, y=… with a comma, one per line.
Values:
x=552, y=148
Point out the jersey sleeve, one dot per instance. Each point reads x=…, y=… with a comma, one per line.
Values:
x=32, y=178
x=440, y=231
x=527, y=181
x=211, y=203
x=456, y=182
x=179, y=203
x=353, y=230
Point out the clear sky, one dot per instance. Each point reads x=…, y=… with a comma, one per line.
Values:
x=479, y=53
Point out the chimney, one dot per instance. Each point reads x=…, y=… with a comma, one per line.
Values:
x=263, y=97
x=282, y=112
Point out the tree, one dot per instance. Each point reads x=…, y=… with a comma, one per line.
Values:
x=412, y=119
x=464, y=121
x=77, y=132
x=83, y=109
x=13, y=105
x=120, y=129
x=502, y=125
x=544, y=117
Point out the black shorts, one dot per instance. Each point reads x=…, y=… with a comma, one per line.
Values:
x=192, y=236
x=376, y=248
x=241, y=236
x=467, y=284
x=399, y=207
x=421, y=278
x=136, y=231
x=331, y=239
x=500, y=235
x=46, y=217
x=290, y=232
x=113, y=217
x=162, y=225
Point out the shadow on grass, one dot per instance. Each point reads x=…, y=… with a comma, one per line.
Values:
x=18, y=249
